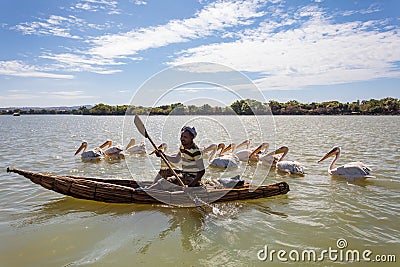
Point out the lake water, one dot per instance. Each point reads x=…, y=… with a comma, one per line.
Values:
x=43, y=228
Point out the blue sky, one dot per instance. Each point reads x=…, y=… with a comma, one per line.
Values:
x=74, y=52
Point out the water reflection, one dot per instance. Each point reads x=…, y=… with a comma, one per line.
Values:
x=189, y=221
x=359, y=182
x=47, y=212
x=187, y=224
x=268, y=210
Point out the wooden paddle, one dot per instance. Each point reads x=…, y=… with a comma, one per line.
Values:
x=142, y=129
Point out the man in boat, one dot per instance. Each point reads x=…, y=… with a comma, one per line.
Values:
x=192, y=164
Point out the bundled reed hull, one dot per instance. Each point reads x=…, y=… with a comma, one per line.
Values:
x=125, y=191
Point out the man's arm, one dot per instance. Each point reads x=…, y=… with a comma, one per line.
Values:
x=174, y=159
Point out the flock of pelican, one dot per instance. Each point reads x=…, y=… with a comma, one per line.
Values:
x=110, y=152
x=228, y=157
x=222, y=156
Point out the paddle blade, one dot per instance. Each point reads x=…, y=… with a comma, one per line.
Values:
x=140, y=126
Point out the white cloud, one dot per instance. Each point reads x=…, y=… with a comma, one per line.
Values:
x=97, y=5
x=54, y=26
x=104, y=50
x=21, y=97
x=139, y=2
x=371, y=9
x=66, y=95
x=211, y=19
x=76, y=63
x=312, y=51
x=13, y=97
x=20, y=69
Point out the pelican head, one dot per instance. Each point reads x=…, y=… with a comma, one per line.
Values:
x=82, y=147
x=222, y=147
x=231, y=146
x=263, y=146
x=333, y=152
x=106, y=143
x=282, y=150
x=162, y=147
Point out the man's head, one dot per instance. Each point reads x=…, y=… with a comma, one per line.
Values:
x=187, y=135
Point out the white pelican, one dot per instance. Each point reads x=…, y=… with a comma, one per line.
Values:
x=287, y=166
x=132, y=148
x=112, y=152
x=352, y=170
x=91, y=155
x=222, y=161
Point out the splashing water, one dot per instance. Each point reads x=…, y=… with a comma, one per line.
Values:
x=214, y=209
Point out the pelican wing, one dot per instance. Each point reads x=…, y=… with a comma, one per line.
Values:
x=91, y=154
x=359, y=164
x=113, y=150
x=243, y=155
x=352, y=170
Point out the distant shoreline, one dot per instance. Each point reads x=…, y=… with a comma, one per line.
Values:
x=385, y=106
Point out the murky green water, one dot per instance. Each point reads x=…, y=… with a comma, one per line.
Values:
x=43, y=228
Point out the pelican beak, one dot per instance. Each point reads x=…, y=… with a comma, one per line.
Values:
x=230, y=147
x=83, y=146
x=132, y=142
x=329, y=154
x=255, y=151
x=324, y=157
x=106, y=143
x=281, y=150
x=244, y=143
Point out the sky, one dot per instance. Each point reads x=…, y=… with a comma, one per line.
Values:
x=143, y=52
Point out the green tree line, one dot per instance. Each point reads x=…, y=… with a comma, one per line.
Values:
x=385, y=106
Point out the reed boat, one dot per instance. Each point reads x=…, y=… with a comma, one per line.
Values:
x=114, y=190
